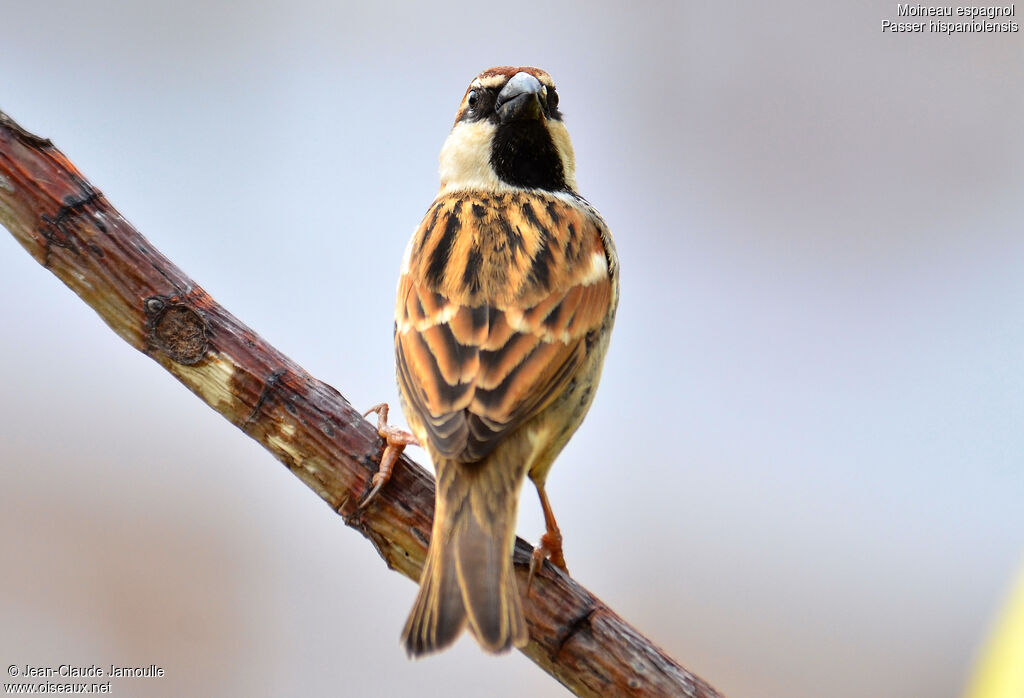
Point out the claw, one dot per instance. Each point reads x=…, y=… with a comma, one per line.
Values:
x=395, y=441
x=550, y=548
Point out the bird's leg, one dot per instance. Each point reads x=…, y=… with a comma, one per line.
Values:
x=395, y=441
x=550, y=543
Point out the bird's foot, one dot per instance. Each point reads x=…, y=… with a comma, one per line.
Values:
x=395, y=441
x=550, y=548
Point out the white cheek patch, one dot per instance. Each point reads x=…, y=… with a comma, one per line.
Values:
x=560, y=136
x=465, y=157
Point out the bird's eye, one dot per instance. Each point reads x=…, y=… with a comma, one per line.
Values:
x=552, y=98
x=472, y=99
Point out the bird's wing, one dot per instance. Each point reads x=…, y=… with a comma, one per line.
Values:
x=499, y=302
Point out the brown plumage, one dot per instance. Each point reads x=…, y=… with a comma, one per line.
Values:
x=505, y=304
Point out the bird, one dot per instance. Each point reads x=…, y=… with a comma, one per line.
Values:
x=505, y=305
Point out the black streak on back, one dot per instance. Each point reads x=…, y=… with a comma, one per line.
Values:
x=441, y=254
x=471, y=274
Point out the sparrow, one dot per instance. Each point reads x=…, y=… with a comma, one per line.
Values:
x=505, y=305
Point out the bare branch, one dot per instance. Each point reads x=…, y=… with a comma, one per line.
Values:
x=72, y=230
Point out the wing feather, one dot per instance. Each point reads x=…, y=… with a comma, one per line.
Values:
x=490, y=340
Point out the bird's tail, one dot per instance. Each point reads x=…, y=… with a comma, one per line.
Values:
x=468, y=576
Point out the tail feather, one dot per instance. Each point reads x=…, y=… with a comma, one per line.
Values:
x=469, y=575
x=489, y=592
x=438, y=616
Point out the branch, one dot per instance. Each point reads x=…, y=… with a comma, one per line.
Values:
x=70, y=228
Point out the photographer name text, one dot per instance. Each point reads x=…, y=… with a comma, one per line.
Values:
x=92, y=671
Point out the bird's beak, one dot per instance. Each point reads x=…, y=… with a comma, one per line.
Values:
x=522, y=97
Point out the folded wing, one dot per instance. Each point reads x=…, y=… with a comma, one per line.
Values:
x=475, y=360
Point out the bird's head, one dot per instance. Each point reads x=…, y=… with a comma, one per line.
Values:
x=508, y=134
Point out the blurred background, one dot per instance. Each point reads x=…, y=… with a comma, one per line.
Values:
x=803, y=470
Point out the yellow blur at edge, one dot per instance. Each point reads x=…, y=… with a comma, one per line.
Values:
x=1000, y=669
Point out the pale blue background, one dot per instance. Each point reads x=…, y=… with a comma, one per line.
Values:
x=803, y=471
